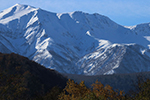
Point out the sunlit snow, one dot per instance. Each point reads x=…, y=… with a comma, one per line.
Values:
x=75, y=42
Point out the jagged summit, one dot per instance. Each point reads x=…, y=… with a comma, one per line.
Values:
x=76, y=42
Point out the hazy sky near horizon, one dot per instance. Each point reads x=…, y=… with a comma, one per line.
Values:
x=123, y=12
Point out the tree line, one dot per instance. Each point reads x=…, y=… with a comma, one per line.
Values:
x=22, y=79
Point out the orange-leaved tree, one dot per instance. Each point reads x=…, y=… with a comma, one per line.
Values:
x=74, y=91
x=106, y=92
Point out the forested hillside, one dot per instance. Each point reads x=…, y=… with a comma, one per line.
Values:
x=22, y=79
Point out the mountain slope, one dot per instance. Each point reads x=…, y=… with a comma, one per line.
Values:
x=76, y=42
x=116, y=59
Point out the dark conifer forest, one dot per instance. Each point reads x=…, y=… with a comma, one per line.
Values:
x=23, y=79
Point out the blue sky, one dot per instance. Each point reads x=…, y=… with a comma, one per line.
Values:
x=124, y=12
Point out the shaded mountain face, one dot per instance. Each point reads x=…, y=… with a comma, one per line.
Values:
x=76, y=42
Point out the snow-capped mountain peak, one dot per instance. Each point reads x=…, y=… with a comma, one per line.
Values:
x=75, y=42
x=16, y=11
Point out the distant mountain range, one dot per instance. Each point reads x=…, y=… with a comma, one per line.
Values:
x=76, y=42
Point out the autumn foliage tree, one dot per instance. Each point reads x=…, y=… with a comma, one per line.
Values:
x=74, y=91
x=106, y=92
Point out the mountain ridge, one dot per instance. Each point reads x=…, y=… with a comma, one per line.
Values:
x=63, y=41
